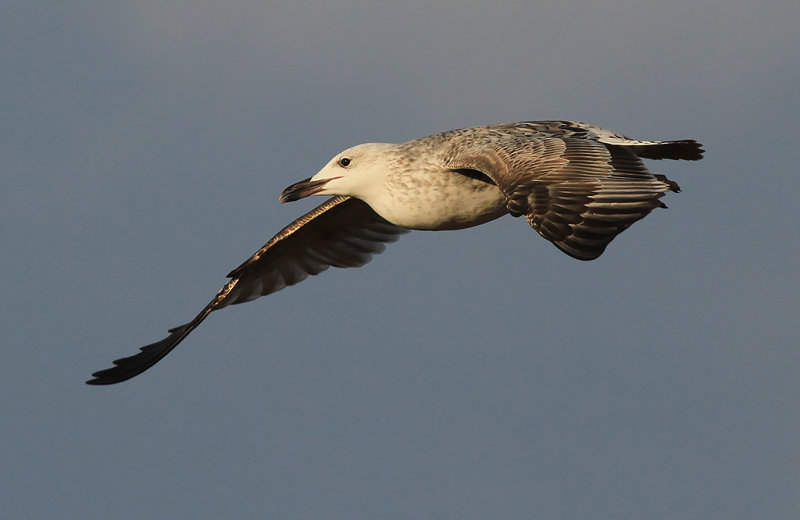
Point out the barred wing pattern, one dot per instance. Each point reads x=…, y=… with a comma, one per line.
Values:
x=578, y=186
x=341, y=232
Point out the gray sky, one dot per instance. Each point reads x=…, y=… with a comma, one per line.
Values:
x=471, y=374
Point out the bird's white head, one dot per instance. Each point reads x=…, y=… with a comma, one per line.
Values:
x=358, y=171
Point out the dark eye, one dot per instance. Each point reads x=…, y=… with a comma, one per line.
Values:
x=344, y=162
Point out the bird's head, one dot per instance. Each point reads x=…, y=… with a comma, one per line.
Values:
x=356, y=171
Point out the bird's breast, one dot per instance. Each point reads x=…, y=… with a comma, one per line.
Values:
x=438, y=201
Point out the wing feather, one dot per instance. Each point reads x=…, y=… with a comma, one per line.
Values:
x=578, y=186
x=341, y=232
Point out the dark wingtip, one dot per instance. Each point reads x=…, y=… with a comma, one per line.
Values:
x=673, y=186
x=149, y=355
x=691, y=150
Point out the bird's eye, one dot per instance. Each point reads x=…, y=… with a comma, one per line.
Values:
x=344, y=162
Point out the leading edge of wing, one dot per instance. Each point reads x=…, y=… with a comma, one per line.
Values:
x=349, y=228
x=341, y=232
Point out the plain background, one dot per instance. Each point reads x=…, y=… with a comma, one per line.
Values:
x=470, y=374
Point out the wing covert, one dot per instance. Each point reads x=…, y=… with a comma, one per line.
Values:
x=341, y=232
x=577, y=192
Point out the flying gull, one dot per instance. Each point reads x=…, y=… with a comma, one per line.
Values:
x=578, y=186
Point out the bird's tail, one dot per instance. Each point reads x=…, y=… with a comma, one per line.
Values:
x=686, y=149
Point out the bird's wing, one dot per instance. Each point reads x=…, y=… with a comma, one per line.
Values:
x=341, y=232
x=576, y=190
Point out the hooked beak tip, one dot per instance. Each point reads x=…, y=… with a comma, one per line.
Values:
x=298, y=190
x=303, y=189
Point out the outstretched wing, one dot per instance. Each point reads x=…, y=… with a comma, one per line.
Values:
x=576, y=188
x=341, y=232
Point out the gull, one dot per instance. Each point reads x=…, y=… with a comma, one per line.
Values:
x=577, y=185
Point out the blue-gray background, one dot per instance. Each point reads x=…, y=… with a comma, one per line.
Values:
x=471, y=374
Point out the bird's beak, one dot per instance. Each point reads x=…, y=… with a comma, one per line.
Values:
x=303, y=188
